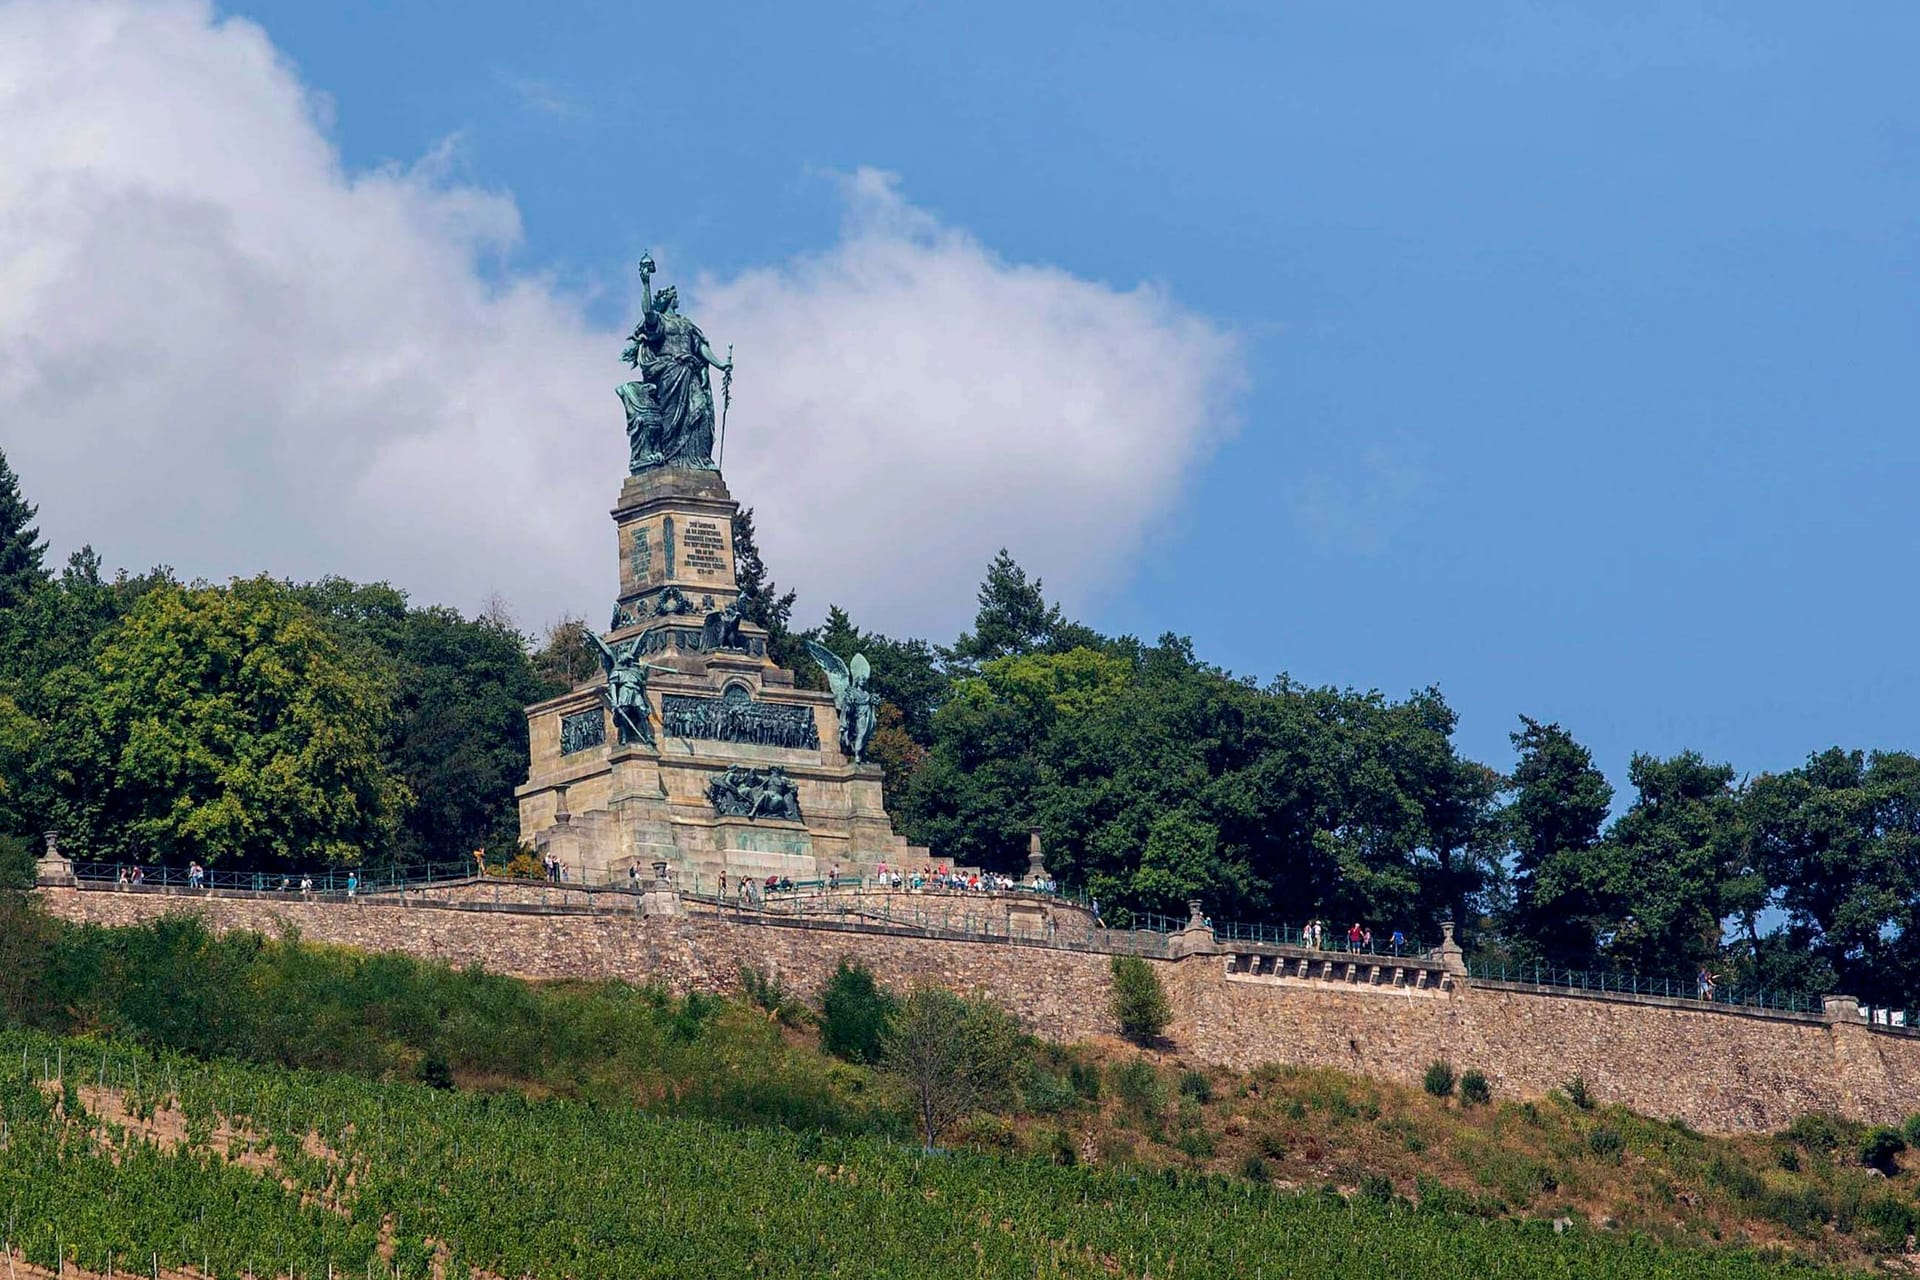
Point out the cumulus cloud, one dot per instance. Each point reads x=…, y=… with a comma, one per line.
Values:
x=222, y=350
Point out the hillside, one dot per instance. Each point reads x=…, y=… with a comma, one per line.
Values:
x=160, y=1161
x=749, y=1083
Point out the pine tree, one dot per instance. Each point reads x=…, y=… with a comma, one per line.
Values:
x=761, y=601
x=22, y=554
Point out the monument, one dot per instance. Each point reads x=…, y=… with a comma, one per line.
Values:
x=692, y=748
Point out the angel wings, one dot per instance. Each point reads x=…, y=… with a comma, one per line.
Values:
x=857, y=705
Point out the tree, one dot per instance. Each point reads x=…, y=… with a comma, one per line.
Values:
x=226, y=724
x=565, y=659
x=1839, y=839
x=761, y=601
x=22, y=553
x=855, y=1011
x=956, y=1056
x=1139, y=1002
x=1553, y=825
x=1673, y=866
x=1014, y=618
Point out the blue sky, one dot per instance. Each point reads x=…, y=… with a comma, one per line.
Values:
x=1578, y=340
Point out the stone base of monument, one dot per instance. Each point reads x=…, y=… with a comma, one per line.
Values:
x=725, y=721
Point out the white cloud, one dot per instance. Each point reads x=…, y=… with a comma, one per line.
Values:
x=220, y=350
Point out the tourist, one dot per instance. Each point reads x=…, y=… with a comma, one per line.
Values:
x=306, y=885
x=480, y=862
x=1353, y=937
x=1366, y=939
x=1707, y=979
x=1399, y=942
x=723, y=882
x=196, y=875
x=353, y=883
x=633, y=876
x=833, y=876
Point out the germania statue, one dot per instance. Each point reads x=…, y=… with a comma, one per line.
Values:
x=670, y=406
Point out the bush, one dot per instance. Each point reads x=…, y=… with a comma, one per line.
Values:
x=1578, y=1093
x=1085, y=1079
x=1376, y=1187
x=855, y=1012
x=1197, y=1143
x=1043, y=1093
x=1878, y=1147
x=1439, y=1080
x=1787, y=1156
x=1139, y=1002
x=1253, y=1169
x=16, y=862
x=1816, y=1132
x=1735, y=1178
x=1195, y=1085
x=771, y=994
x=1606, y=1142
x=1910, y=1129
x=1138, y=1086
x=1474, y=1089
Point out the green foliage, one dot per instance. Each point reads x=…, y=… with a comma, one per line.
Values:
x=1195, y=1085
x=1553, y=823
x=1817, y=1132
x=1439, y=1079
x=855, y=1011
x=955, y=1056
x=763, y=603
x=1879, y=1145
x=1043, y=1093
x=1735, y=1178
x=22, y=553
x=1197, y=1143
x=1475, y=1090
x=1138, y=1087
x=16, y=862
x=227, y=724
x=1605, y=1142
x=448, y=1182
x=771, y=994
x=1578, y=1093
x=1139, y=1002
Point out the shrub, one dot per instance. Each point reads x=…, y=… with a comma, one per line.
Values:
x=1787, y=1156
x=1888, y=1220
x=1910, y=1129
x=16, y=862
x=1878, y=1147
x=855, y=1012
x=1735, y=1178
x=1439, y=1080
x=1195, y=1085
x=1606, y=1142
x=1042, y=1093
x=1085, y=1079
x=1578, y=1093
x=1197, y=1143
x=1474, y=1089
x=1253, y=1169
x=1815, y=1132
x=1060, y=1148
x=1139, y=1002
x=771, y=994
x=1270, y=1143
x=1376, y=1187
x=1138, y=1086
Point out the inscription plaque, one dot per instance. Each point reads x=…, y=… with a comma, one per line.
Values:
x=640, y=559
x=706, y=548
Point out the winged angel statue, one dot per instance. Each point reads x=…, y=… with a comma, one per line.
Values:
x=626, y=689
x=859, y=706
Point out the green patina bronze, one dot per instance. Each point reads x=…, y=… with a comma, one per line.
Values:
x=670, y=420
x=859, y=706
x=626, y=689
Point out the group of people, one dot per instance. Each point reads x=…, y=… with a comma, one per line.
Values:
x=1315, y=936
x=944, y=878
x=556, y=870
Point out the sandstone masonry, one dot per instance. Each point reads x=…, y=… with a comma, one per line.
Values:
x=1715, y=1068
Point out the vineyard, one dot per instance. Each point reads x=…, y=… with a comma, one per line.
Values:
x=115, y=1158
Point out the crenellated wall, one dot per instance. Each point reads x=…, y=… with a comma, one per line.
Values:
x=1715, y=1068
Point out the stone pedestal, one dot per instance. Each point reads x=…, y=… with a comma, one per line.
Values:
x=715, y=700
x=52, y=866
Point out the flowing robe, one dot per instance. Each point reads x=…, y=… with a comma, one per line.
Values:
x=670, y=410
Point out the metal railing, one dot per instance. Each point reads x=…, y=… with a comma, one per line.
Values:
x=1608, y=983
x=1282, y=935
x=137, y=877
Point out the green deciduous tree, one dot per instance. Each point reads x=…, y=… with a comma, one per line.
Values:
x=1553, y=821
x=956, y=1056
x=855, y=1011
x=1138, y=1002
x=227, y=724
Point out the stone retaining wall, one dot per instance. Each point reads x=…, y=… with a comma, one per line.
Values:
x=1715, y=1068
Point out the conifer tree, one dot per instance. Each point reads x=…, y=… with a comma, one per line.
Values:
x=22, y=554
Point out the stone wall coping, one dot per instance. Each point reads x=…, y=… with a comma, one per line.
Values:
x=1663, y=1002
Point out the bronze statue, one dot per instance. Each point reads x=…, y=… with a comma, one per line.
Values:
x=859, y=706
x=626, y=689
x=670, y=406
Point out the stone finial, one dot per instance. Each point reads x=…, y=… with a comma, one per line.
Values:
x=1036, y=866
x=660, y=871
x=1196, y=918
x=53, y=866
x=1841, y=1008
x=1451, y=955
